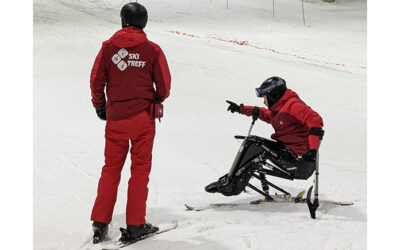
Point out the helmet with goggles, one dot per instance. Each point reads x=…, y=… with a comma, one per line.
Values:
x=273, y=88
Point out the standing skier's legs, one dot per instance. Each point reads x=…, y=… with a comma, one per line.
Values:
x=140, y=130
x=141, y=156
x=115, y=153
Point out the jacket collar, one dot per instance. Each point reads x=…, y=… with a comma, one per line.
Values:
x=279, y=104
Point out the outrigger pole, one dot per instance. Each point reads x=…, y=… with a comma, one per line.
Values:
x=313, y=206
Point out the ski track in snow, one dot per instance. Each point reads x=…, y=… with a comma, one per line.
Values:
x=194, y=144
x=74, y=167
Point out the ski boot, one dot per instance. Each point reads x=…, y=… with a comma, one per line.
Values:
x=134, y=232
x=218, y=185
x=100, y=231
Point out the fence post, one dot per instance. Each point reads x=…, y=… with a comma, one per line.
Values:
x=273, y=9
x=304, y=18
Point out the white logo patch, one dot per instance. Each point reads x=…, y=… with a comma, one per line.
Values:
x=122, y=65
x=116, y=58
x=123, y=53
x=133, y=60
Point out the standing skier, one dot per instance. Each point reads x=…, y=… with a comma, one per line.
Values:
x=127, y=66
x=298, y=130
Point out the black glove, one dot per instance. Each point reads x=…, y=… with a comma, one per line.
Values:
x=310, y=156
x=233, y=107
x=101, y=112
x=255, y=113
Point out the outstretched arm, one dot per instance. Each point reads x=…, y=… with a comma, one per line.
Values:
x=264, y=115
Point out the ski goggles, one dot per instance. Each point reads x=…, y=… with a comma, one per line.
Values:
x=266, y=90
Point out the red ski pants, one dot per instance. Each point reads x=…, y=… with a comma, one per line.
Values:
x=139, y=130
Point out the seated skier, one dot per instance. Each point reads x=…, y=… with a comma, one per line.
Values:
x=293, y=149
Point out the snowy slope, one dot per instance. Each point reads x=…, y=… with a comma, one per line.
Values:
x=194, y=144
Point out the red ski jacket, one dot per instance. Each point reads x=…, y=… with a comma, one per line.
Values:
x=127, y=65
x=292, y=120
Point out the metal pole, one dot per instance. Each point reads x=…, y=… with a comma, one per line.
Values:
x=255, y=114
x=251, y=127
x=271, y=184
x=317, y=174
x=267, y=196
x=273, y=8
x=304, y=18
x=313, y=206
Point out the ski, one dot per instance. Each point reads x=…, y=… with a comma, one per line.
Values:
x=163, y=228
x=276, y=199
x=208, y=206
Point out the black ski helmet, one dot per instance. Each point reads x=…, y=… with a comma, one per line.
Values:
x=134, y=14
x=274, y=88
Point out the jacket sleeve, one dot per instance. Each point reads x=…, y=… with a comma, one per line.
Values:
x=98, y=78
x=309, y=118
x=264, y=115
x=161, y=76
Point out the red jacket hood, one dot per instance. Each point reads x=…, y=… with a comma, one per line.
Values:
x=128, y=37
x=289, y=94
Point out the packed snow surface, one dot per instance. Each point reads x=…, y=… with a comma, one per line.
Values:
x=215, y=54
